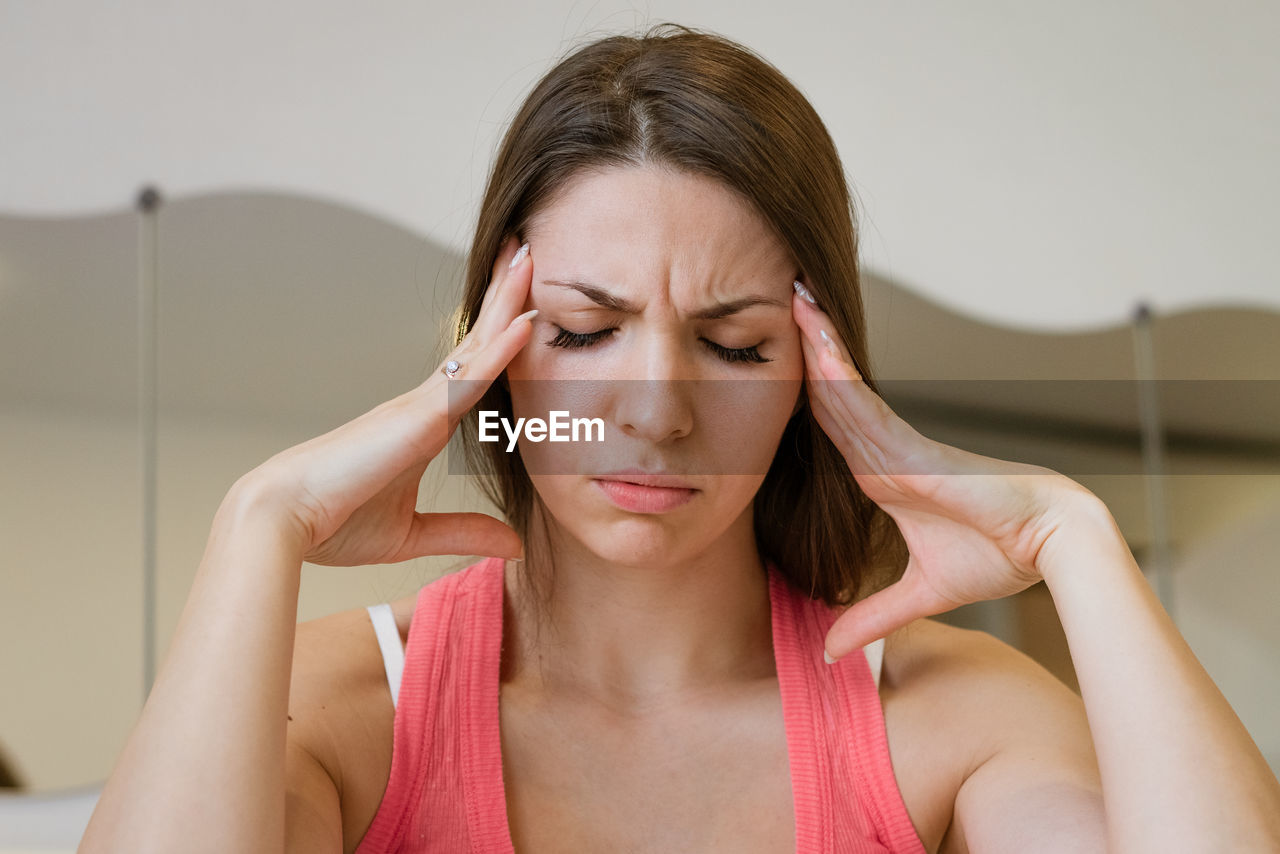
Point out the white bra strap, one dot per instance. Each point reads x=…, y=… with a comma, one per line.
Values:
x=875, y=657
x=384, y=626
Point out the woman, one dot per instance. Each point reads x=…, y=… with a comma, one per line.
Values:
x=666, y=244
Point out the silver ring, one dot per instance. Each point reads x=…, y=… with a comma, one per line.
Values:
x=452, y=368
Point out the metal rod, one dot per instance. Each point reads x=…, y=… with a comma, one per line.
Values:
x=1159, y=565
x=148, y=276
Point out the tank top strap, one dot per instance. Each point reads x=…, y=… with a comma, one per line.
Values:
x=845, y=793
x=432, y=786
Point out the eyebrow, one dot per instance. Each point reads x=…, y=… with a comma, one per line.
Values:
x=717, y=311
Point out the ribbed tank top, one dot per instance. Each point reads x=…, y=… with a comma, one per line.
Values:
x=445, y=791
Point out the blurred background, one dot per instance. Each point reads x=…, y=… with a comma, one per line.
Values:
x=226, y=228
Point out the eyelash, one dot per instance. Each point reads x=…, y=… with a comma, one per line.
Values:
x=573, y=340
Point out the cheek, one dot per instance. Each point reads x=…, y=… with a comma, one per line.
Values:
x=539, y=384
x=790, y=356
x=743, y=421
x=536, y=360
x=556, y=491
x=522, y=366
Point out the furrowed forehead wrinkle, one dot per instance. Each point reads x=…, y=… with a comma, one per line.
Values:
x=719, y=310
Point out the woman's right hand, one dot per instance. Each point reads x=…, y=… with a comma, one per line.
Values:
x=348, y=497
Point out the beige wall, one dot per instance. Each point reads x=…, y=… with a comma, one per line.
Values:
x=1228, y=590
x=71, y=610
x=71, y=597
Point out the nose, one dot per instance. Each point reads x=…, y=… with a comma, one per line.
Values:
x=655, y=401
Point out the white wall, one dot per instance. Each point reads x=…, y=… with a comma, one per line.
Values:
x=1044, y=164
x=1038, y=163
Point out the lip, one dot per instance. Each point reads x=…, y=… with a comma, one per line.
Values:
x=639, y=492
x=643, y=478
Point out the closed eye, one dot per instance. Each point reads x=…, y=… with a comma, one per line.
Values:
x=574, y=340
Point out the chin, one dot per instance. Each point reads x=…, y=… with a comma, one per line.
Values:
x=653, y=534
x=637, y=543
x=629, y=539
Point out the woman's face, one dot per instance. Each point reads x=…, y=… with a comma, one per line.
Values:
x=665, y=311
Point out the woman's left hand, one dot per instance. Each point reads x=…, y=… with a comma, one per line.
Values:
x=975, y=526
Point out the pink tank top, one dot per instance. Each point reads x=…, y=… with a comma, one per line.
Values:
x=445, y=792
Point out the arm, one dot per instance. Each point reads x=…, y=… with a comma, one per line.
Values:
x=205, y=768
x=1179, y=770
x=215, y=719
x=1175, y=769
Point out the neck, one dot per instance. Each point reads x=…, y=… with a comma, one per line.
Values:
x=637, y=636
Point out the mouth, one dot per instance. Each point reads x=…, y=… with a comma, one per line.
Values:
x=640, y=492
x=643, y=478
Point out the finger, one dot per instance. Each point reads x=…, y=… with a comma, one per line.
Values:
x=460, y=534
x=861, y=455
x=815, y=379
x=838, y=384
x=843, y=432
x=393, y=443
x=413, y=428
x=508, y=297
x=880, y=614
x=848, y=409
x=853, y=416
x=819, y=392
x=485, y=363
x=813, y=322
x=503, y=303
x=501, y=265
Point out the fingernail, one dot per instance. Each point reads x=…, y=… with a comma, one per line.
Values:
x=826, y=656
x=831, y=345
x=804, y=292
x=519, y=256
x=530, y=314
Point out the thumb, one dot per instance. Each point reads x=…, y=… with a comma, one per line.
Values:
x=461, y=534
x=880, y=614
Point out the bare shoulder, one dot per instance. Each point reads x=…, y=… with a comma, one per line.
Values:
x=928, y=655
x=340, y=709
x=960, y=705
x=990, y=690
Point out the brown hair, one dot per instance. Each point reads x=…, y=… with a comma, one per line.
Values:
x=697, y=102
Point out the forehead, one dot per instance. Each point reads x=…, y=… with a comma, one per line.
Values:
x=656, y=220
